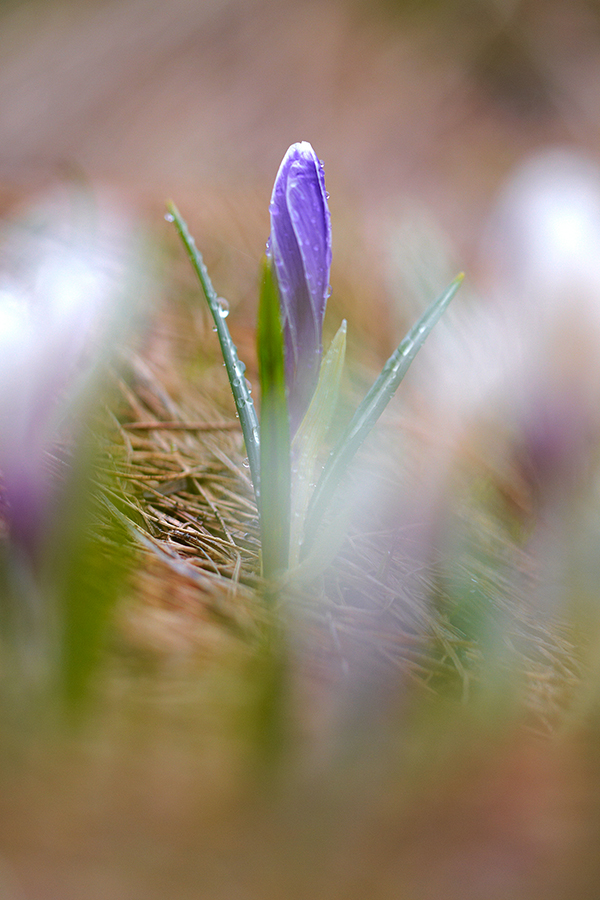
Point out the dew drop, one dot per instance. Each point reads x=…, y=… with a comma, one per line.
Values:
x=169, y=217
x=222, y=307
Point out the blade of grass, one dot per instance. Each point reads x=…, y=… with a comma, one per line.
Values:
x=370, y=409
x=235, y=369
x=275, y=431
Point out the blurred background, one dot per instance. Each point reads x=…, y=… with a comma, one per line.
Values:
x=421, y=100
x=419, y=106
x=455, y=135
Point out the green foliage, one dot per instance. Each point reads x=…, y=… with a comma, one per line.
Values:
x=275, y=466
x=309, y=439
x=235, y=368
x=289, y=516
x=90, y=581
x=56, y=607
x=371, y=408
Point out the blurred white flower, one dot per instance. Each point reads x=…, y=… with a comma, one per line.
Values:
x=542, y=250
x=529, y=342
x=65, y=289
x=542, y=244
x=507, y=390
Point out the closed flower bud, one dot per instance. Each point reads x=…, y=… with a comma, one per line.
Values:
x=300, y=251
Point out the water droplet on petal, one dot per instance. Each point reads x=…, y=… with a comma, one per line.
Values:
x=222, y=307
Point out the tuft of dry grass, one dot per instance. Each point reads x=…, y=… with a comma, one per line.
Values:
x=379, y=614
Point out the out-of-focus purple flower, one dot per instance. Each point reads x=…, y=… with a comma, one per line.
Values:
x=300, y=249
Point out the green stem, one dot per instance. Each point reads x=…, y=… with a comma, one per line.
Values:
x=275, y=462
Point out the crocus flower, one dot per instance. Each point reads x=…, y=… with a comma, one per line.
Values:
x=299, y=248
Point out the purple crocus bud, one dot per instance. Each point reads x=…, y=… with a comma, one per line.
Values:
x=300, y=250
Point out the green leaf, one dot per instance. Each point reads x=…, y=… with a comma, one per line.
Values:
x=275, y=463
x=235, y=368
x=308, y=440
x=370, y=409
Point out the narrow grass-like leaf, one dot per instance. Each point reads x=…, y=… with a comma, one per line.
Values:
x=275, y=463
x=371, y=408
x=235, y=368
x=309, y=438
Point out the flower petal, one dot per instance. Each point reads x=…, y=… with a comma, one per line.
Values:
x=300, y=247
